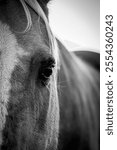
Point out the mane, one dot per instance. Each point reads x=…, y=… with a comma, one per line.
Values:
x=37, y=8
x=52, y=41
x=83, y=85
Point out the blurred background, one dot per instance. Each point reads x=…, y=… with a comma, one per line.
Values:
x=76, y=22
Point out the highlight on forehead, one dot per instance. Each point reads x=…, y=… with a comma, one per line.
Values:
x=9, y=58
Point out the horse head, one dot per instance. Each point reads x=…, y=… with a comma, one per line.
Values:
x=29, y=112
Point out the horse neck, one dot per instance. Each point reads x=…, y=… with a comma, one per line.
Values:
x=82, y=81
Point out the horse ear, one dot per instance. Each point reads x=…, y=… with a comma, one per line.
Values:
x=44, y=1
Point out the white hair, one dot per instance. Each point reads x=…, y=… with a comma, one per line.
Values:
x=37, y=8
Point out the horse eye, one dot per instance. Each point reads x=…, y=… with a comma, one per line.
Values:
x=41, y=68
x=45, y=71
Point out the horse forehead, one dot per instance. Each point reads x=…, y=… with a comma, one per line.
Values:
x=9, y=47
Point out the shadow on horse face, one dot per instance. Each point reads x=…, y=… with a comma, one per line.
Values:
x=27, y=80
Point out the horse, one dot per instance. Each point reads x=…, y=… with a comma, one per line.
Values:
x=49, y=97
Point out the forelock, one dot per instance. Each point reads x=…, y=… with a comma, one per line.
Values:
x=37, y=8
